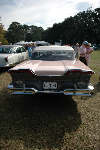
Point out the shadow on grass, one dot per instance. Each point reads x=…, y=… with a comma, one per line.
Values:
x=95, y=92
x=3, y=70
x=96, y=88
x=40, y=121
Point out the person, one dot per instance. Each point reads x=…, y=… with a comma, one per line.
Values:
x=33, y=46
x=26, y=47
x=76, y=49
x=88, y=51
x=30, y=50
x=0, y=43
x=82, y=52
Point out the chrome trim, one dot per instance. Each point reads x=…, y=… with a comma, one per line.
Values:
x=24, y=89
x=49, y=75
x=81, y=92
x=7, y=65
x=74, y=89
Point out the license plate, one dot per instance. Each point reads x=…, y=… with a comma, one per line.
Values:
x=50, y=85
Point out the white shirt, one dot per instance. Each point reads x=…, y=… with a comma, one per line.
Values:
x=82, y=51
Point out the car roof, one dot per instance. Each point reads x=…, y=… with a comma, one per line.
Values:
x=9, y=46
x=55, y=48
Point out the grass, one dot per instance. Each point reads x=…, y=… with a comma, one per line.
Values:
x=53, y=122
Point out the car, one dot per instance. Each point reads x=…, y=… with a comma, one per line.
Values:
x=94, y=47
x=51, y=69
x=12, y=54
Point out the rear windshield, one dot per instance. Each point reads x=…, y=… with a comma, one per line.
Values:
x=6, y=50
x=53, y=55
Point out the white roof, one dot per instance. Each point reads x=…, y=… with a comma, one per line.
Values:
x=9, y=46
x=54, y=47
x=23, y=43
x=41, y=42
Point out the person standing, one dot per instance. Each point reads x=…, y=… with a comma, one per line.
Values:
x=30, y=50
x=26, y=47
x=82, y=52
x=33, y=46
x=76, y=49
x=88, y=51
x=0, y=43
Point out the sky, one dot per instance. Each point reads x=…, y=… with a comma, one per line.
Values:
x=42, y=13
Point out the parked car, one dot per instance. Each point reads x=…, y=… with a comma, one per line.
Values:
x=94, y=47
x=52, y=69
x=12, y=54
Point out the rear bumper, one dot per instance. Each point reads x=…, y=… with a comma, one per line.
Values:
x=7, y=65
x=75, y=91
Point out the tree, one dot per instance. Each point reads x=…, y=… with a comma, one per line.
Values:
x=26, y=30
x=34, y=33
x=2, y=32
x=96, y=25
x=83, y=26
x=15, y=33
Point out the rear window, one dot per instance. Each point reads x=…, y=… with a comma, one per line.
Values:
x=53, y=55
x=6, y=50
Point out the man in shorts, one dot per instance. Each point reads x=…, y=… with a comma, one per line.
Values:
x=82, y=52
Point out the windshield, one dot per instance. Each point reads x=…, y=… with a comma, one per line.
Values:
x=6, y=50
x=53, y=55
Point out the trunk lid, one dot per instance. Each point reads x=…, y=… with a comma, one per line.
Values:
x=51, y=67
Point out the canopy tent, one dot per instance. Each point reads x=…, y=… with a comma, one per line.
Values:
x=23, y=43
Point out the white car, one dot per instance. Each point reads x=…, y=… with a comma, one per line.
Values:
x=12, y=54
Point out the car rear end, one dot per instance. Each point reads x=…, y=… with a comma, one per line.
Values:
x=72, y=82
x=5, y=56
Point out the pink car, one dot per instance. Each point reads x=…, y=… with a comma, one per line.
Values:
x=51, y=69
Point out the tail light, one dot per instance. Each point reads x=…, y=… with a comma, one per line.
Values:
x=78, y=71
x=22, y=71
x=6, y=59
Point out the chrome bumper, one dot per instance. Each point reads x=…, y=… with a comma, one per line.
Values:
x=2, y=66
x=78, y=92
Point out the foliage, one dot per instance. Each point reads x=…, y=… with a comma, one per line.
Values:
x=15, y=33
x=34, y=33
x=83, y=26
x=2, y=32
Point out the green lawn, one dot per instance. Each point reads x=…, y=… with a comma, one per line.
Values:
x=95, y=65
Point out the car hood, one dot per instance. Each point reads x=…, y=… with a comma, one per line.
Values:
x=40, y=67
